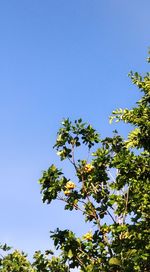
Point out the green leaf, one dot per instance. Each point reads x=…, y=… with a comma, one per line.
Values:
x=114, y=261
x=70, y=255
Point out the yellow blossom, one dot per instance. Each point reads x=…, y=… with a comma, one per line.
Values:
x=88, y=236
x=88, y=168
x=70, y=185
x=67, y=192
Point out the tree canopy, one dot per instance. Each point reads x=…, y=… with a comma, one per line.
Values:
x=111, y=189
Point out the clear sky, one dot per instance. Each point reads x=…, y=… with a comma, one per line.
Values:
x=58, y=58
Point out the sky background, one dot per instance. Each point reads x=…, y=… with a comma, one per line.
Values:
x=59, y=58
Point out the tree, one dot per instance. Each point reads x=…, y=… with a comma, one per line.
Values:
x=112, y=192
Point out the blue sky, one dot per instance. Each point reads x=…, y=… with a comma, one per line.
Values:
x=59, y=58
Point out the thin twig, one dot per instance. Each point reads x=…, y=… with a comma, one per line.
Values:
x=111, y=175
x=74, y=205
x=94, y=213
x=126, y=205
x=111, y=216
x=88, y=154
x=72, y=163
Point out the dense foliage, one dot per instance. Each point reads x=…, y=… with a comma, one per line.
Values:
x=110, y=188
